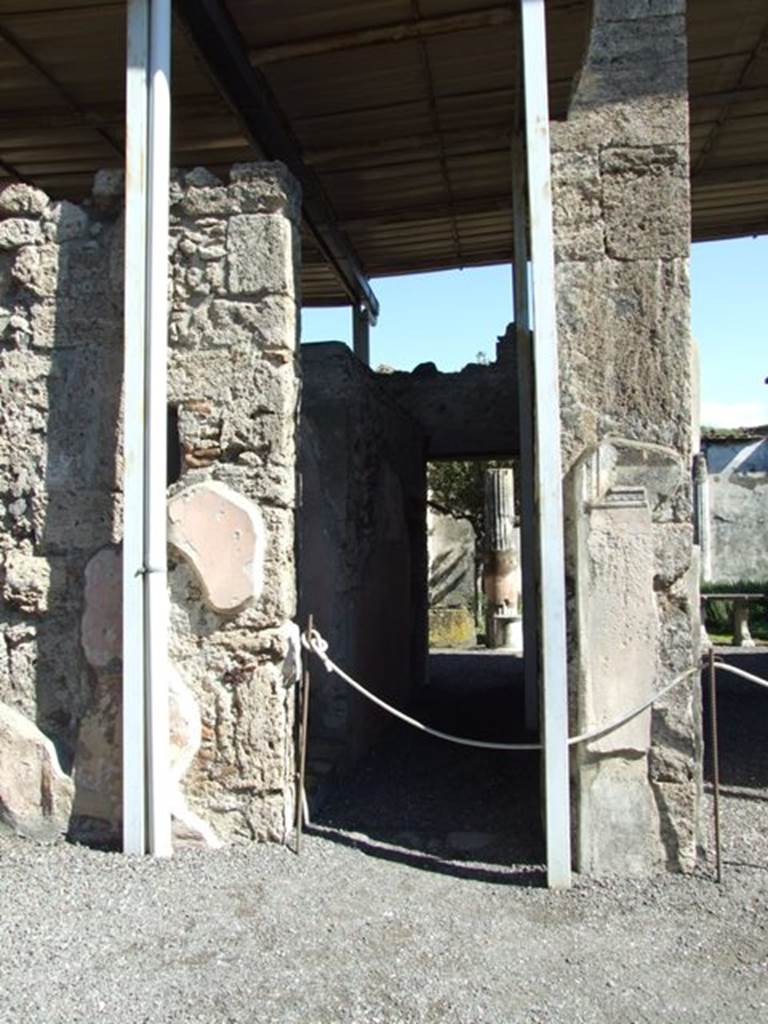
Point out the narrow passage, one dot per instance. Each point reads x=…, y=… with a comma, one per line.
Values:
x=442, y=805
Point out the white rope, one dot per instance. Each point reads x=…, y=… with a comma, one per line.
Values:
x=603, y=729
x=740, y=672
x=319, y=646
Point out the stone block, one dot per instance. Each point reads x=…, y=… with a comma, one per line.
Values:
x=599, y=117
x=18, y=662
x=21, y=198
x=18, y=231
x=617, y=820
x=278, y=599
x=624, y=342
x=222, y=536
x=577, y=204
x=108, y=188
x=36, y=268
x=234, y=376
x=26, y=582
x=97, y=809
x=101, y=630
x=266, y=187
x=222, y=323
x=628, y=10
x=617, y=624
x=625, y=45
x=83, y=274
x=646, y=203
x=673, y=548
x=260, y=255
x=66, y=521
x=97, y=774
x=64, y=221
x=452, y=627
x=35, y=794
x=259, y=473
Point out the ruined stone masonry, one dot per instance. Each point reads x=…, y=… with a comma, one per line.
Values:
x=233, y=387
x=622, y=234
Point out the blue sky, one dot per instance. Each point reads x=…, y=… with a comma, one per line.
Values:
x=449, y=317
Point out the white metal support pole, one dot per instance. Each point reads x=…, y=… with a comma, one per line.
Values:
x=146, y=806
x=136, y=115
x=156, y=439
x=548, y=462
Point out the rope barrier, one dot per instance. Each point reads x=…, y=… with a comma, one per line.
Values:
x=740, y=672
x=319, y=645
x=603, y=730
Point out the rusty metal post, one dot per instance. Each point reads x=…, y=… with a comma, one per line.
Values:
x=303, y=738
x=715, y=761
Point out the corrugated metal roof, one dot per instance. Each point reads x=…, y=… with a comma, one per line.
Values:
x=409, y=137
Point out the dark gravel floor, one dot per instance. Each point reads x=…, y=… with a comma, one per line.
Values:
x=436, y=801
x=391, y=929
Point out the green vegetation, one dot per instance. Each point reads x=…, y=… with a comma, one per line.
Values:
x=458, y=488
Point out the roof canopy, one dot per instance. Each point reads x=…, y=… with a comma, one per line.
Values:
x=399, y=112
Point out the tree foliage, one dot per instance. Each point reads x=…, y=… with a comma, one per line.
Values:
x=458, y=488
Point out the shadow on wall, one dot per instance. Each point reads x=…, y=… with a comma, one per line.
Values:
x=64, y=365
x=79, y=511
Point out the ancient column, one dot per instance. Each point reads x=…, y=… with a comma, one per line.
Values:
x=501, y=576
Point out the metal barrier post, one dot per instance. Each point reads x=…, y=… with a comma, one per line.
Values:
x=715, y=761
x=303, y=738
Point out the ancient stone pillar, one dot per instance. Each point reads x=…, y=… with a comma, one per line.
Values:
x=622, y=229
x=233, y=384
x=60, y=486
x=501, y=575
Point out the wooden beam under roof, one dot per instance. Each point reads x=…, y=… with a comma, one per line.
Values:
x=218, y=40
x=421, y=28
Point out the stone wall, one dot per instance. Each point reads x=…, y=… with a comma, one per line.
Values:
x=233, y=377
x=468, y=414
x=622, y=230
x=233, y=390
x=734, y=540
x=60, y=384
x=452, y=550
x=363, y=551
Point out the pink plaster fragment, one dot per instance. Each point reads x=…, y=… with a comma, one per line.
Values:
x=101, y=628
x=221, y=534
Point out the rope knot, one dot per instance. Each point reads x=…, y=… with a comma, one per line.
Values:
x=314, y=641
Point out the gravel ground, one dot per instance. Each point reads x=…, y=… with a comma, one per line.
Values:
x=407, y=923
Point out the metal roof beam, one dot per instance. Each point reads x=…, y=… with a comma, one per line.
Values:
x=398, y=32
x=422, y=211
x=247, y=90
x=716, y=131
x=11, y=41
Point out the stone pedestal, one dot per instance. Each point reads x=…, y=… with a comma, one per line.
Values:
x=741, y=634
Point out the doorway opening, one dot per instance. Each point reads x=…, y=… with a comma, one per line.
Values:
x=368, y=506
